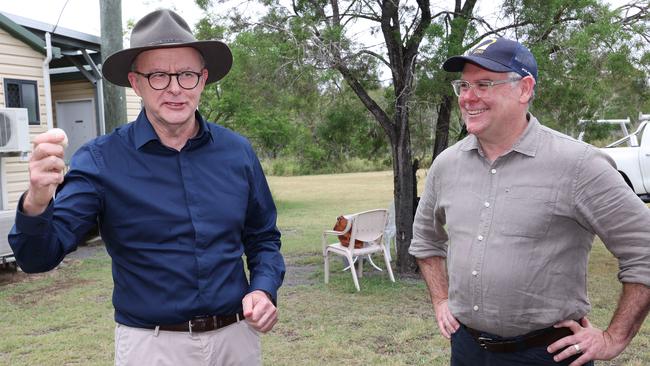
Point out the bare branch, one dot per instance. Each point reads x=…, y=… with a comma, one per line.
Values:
x=373, y=54
x=413, y=43
x=372, y=106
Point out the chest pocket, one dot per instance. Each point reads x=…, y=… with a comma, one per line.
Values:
x=525, y=211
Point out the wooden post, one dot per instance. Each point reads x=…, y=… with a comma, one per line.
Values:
x=111, y=38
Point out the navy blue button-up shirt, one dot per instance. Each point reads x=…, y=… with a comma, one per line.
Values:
x=176, y=223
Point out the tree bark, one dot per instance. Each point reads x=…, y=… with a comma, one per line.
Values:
x=404, y=199
x=442, y=126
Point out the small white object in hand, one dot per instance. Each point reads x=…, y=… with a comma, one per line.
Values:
x=59, y=132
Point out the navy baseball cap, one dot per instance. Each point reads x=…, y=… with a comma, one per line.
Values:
x=498, y=55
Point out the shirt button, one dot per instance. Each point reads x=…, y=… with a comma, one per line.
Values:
x=474, y=273
x=493, y=171
x=486, y=204
x=480, y=237
x=475, y=308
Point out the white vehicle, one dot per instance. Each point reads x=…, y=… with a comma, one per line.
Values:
x=6, y=222
x=632, y=156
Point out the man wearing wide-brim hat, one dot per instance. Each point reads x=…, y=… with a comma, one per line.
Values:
x=178, y=201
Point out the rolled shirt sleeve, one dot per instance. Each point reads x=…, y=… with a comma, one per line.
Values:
x=429, y=236
x=608, y=207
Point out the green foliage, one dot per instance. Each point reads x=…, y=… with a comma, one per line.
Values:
x=262, y=97
x=290, y=110
x=291, y=101
x=591, y=63
x=349, y=130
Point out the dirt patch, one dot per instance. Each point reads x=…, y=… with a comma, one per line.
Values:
x=290, y=335
x=9, y=274
x=384, y=345
x=298, y=275
x=300, y=270
x=59, y=284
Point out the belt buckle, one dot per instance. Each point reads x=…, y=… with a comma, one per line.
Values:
x=484, y=342
x=199, y=323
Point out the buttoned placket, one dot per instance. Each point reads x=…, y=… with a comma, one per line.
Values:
x=189, y=185
x=481, y=241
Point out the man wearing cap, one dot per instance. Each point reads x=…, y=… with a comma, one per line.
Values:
x=503, y=231
x=178, y=202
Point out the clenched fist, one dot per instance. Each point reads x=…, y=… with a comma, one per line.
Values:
x=46, y=168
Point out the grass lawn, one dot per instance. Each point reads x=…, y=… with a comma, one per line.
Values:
x=65, y=317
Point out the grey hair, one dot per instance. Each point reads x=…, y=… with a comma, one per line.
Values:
x=514, y=75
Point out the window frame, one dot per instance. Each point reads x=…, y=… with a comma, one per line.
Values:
x=21, y=83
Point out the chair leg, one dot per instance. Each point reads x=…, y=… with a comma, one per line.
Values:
x=390, y=270
x=326, y=258
x=387, y=246
x=360, y=266
x=373, y=263
x=353, y=262
x=354, y=275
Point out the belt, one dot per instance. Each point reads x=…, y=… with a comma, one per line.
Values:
x=535, y=339
x=203, y=323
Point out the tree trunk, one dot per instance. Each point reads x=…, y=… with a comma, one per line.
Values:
x=404, y=199
x=442, y=126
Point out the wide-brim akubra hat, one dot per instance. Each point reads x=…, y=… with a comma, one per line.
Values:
x=165, y=29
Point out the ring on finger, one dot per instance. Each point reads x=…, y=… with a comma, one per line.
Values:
x=577, y=348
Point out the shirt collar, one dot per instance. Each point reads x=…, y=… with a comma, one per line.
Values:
x=144, y=132
x=527, y=143
x=529, y=140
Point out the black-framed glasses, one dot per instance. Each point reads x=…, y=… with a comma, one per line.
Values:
x=481, y=87
x=160, y=80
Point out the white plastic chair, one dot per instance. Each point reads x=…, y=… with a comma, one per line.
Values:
x=367, y=226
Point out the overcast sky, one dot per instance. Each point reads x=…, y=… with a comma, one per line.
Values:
x=83, y=15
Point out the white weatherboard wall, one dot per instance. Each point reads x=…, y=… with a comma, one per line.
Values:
x=19, y=61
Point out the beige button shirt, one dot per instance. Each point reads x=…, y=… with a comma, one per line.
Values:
x=517, y=232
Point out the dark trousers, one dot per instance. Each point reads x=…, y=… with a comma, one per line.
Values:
x=465, y=351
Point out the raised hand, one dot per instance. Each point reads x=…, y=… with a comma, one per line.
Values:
x=46, y=169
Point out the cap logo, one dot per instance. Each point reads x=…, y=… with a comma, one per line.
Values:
x=526, y=71
x=481, y=47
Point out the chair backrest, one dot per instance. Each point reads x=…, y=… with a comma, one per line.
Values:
x=369, y=226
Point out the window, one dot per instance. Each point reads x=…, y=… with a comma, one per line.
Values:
x=23, y=94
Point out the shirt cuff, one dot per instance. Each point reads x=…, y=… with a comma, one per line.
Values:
x=420, y=249
x=33, y=225
x=267, y=286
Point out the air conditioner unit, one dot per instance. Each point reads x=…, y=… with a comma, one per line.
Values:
x=14, y=130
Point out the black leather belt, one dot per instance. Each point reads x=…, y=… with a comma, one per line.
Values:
x=536, y=339
x=203, y=323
